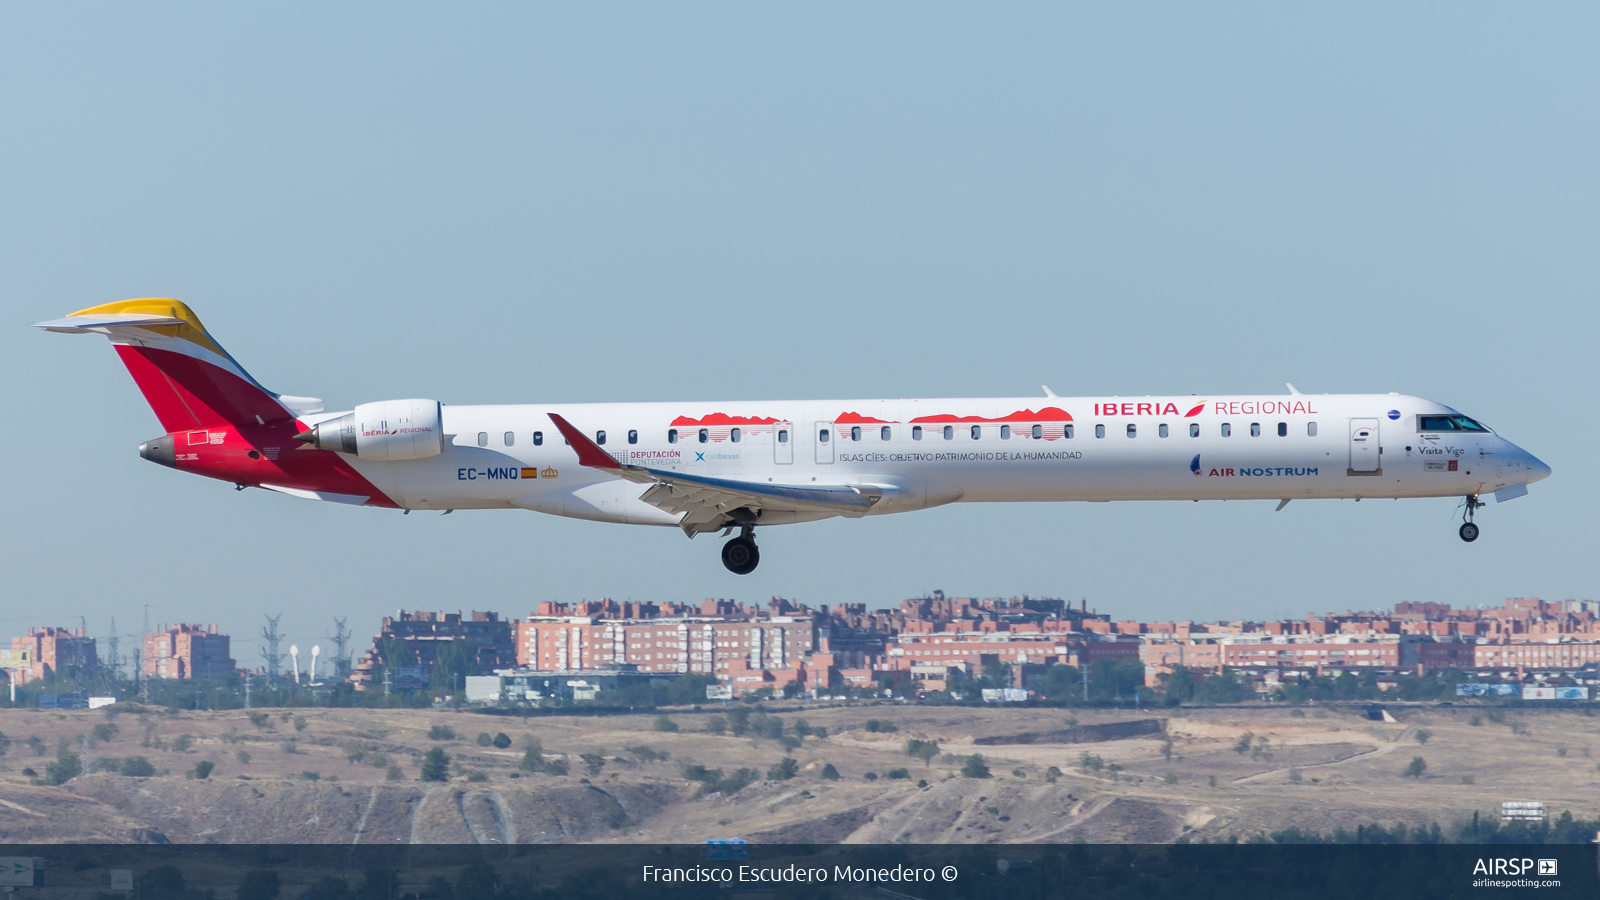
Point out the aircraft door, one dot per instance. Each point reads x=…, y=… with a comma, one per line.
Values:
x=1364, y=446
x=783, y=443
x=825, y=440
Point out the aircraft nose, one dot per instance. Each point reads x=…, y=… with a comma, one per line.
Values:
x=1536, y=467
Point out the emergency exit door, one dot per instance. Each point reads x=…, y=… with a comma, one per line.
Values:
x=1364, y=446
x=825, y=439
x=783, y=443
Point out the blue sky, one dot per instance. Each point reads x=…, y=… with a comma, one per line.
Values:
x=520, y=203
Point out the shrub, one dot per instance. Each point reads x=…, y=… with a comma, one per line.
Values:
x=665, y=724
x=243, y=757
x=441, y=733
x=484, y=739
x=202, y=770
x=802, y=728
x=1211, y=781
x=1243, y=746
x=183, y=742
x=593, y=763
x=556, y=766
x=477, y=777
x=137, y=767
x=1423, y=735
x=36, y=745
x=1294, y=776
x=311, y=776
x=259, y=719
x=104, y=732
x=649, y=754
x=819, y=732
x=1416, y=768
x=394, y=774
x=713, y=782
x=1052, y=775
x=829, y=772
x=501, y=740
x=878, y=726
x=1468, y=779
x=716, y=725
x=1297, y=714
x=898, y=774
x=67, y=766
x=789, y=742
x=1088, y=761
x=436, y=765
x=1475, y=720
x=785, y=769
x=975, y=767
x=299, y=723
x=533, y=758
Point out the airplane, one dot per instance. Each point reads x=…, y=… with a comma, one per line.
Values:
x=706, y=467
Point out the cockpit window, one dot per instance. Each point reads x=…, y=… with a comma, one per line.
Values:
x=1447, y=423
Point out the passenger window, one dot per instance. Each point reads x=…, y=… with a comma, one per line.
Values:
x=1066, y=432
x=633, y=436
x=1227, y=430
x=1194, y=429
x=538, y=439
x=672, y=435
x=705, y=435
x=1255, y=429
x=822, y=436
x=1038, y=432
x=1099, y=431
x=1311, y=429
x=855, y=433
x=483, y=439
x=916, y=432
x=949, y=433
x=511, y=438
x=977, y=432
x=1005, y=432
x=735, y=435
x=1283, y=429
x=783, y=435
x=1133, y=430
x=884, y=432
x=599, y=437
x=1162, y=431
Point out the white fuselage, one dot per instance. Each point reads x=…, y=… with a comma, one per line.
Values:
x=926, y=453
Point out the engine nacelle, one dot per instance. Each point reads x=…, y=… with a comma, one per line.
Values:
x=387, y=431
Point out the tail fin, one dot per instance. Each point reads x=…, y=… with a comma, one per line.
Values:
x=185, y=375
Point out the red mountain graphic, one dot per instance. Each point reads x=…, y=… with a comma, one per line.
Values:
x=855, y=418
x=723, y=419
x=1048, y=414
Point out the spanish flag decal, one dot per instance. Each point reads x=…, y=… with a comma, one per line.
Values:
x=528, y=472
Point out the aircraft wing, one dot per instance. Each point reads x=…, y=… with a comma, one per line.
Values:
x=709, y=502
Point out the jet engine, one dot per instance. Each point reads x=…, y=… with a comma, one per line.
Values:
x=386, y=431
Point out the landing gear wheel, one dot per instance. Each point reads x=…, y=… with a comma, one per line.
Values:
x=741, y=556
x=1469, y=532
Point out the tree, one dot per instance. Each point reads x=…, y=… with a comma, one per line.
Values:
x=138, y=767
x=1423, y=735
x=975, y=767
x=501, y=740
x=259, y=885
x=1177, y=686
x=533, y=758
x=1417, y=767
x=923, y=750
x=830, y=773
x=786, y=769
x=593, y=763
x=665, y=724
x=436, y=765
x=202, y=770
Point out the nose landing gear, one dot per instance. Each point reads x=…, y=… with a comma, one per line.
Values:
x=740, y=554
x=1469, y=530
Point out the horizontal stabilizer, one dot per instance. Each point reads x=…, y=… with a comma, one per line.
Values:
x=82, y=324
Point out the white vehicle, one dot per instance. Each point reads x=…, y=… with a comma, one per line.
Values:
x=707, y=467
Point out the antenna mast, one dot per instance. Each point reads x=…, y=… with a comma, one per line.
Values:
x=270, y=653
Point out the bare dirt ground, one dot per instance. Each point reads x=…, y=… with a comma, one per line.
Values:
x=1318, y=770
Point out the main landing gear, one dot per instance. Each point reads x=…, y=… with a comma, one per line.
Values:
x=740, y=554
x=1469, y=530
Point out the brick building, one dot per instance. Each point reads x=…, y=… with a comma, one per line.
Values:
x=414, y=639
x=187, y=651
x=48, y=650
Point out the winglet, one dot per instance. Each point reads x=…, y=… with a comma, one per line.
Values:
x=589, y=453
x=1291, y=389
x=1047, y=391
